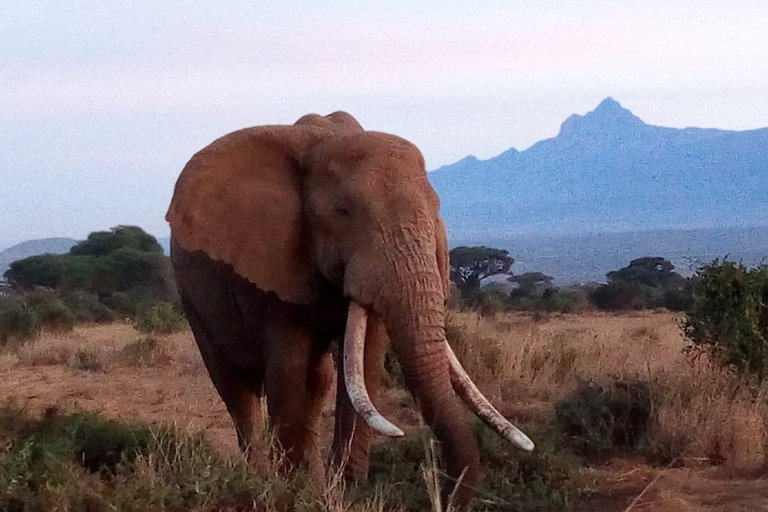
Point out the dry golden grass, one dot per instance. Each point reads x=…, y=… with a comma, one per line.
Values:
x=704, y=415
x=704, y=418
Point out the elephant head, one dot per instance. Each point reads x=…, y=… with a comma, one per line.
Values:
x=323, y=204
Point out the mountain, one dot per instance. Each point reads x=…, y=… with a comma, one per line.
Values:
x=609, y=171
x=33, y=248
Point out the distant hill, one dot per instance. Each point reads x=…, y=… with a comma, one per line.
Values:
x=33, y=248
x=609, y=171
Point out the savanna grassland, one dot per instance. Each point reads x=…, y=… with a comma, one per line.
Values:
x=107, y=418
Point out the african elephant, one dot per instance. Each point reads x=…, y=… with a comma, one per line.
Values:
x=286, y=238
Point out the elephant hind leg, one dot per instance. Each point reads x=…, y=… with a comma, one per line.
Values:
x=239, y=392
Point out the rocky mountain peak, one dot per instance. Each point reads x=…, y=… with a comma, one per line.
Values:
x=609, y=116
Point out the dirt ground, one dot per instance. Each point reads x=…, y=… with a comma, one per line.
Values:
x=88, y=370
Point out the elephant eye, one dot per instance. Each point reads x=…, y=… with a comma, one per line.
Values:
x=342, y=210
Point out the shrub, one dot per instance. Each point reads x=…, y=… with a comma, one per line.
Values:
x=562, y=301
x=551, y=299
x=86, y=463
x=543, y=480
x=18, y=321
x=130, y=303
x=489, y=302
x=600, y=420
x=728, y=316
x=546, y=479
x=43, y=270
x=621, y=295
x=52, y=311
x=125, y=259
x=86, y=307
x=162, y=318
x=24, y=315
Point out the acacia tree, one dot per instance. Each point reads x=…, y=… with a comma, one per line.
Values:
x=653, y=271
x=646, y=282
x=470, y=265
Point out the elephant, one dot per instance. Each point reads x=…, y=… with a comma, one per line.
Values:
x=290, y=240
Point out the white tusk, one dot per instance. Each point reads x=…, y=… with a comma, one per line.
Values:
x=479, y=404
x=354, y=377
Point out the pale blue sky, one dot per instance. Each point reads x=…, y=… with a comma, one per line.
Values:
x=102, y=103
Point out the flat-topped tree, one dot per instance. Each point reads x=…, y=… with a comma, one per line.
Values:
x=470, y=265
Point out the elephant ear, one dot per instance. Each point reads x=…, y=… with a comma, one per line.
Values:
x=239, y=201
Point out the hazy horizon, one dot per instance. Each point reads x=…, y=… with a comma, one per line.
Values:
x=102, y=105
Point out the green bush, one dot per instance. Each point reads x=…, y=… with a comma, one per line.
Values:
x=546, y=479
x=562, y=301
x=125, y=259
x=86, y=307
x=489, y=302
x=53, y=312
x=18, y=321
x=622, y=295
x=728, y=316
x=83, y=462
x=24, y=315
x=43, y=270
x=600, y=420
x=163, y=318
x=131, y=303
x=543, y=480
x=551, y=299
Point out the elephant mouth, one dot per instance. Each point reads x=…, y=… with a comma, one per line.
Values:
x=354, y=378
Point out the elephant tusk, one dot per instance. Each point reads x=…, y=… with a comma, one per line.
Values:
x=479, y=404
x=354, y=378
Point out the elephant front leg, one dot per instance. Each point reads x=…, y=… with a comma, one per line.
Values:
x=351, y=446
x=297, y=383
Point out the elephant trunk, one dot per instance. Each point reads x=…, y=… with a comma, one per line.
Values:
x=412, y=307
x=415, y=321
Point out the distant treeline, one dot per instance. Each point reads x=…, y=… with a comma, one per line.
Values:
x=123, y=274
x=646, y=283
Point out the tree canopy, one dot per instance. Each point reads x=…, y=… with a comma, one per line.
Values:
x=101, y=243
x=470, y=265
x=653, y=271
x=645, y=283
x=122, y=259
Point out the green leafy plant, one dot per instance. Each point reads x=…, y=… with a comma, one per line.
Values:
x=728, y=316
x=162, y=318
x=86, y=307
x=18, y=321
